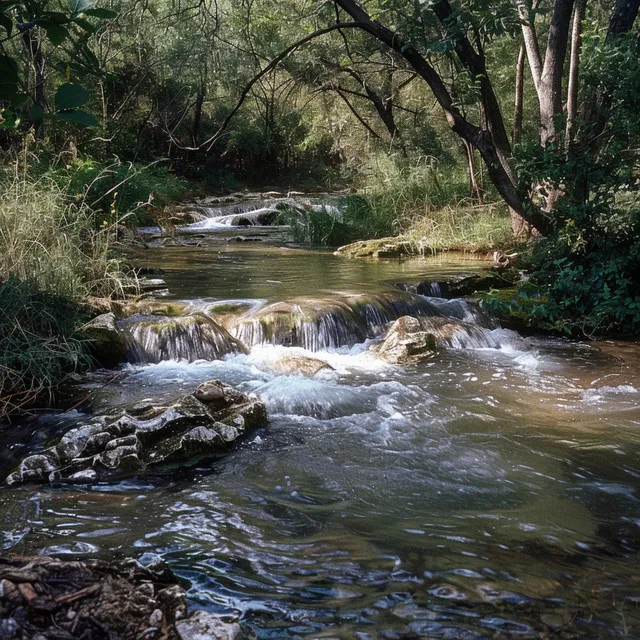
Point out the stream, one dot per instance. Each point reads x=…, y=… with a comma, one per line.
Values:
x=485, y=493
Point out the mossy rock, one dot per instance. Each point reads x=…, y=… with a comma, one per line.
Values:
x=378, y=248
x=107, y=345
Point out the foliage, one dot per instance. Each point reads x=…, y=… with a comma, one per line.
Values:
x=39, y=349
x=51, y=258
x=67, y=28
x=582, y=286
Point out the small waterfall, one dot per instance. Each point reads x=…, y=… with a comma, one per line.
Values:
x=152, y=339
x=435, y=290
x=317, y=324
x=458, y=334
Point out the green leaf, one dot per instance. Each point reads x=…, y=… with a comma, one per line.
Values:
x=56, y=17
x=56, y=33
x=70, y=96
x=82, y=117
x=78, y=6
x=85, y=24
x=8, y=119
x=105, y=14
x=37, y=112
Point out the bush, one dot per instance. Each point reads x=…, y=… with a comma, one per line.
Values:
x=117, y=191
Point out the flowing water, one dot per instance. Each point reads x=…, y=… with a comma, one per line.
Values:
x=491, y=492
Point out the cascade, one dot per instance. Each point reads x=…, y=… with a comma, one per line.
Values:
x=153, y=339
x=342, y=320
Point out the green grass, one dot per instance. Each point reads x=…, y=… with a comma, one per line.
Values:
x=51, y=259
x=463, y=227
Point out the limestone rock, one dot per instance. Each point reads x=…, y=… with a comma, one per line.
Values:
x=407, y=342
x=150, y=435
x=393, y=247
x=203, y=625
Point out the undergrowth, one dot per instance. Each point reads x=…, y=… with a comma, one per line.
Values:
x=51, y=259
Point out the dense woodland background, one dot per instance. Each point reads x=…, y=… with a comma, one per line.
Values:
x=469, y=125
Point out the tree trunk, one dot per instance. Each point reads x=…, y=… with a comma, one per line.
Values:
x=530, y=39
x=484, y=141
x=519, y=96
x=33, y=43
x=474, y=189
x=551, y=80
x=197, y=115
x=623, y=17
x=574, y=70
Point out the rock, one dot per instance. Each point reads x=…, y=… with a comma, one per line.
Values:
x=407, y=343
x=108, y=346
x=412, y=339
x=203, y=625
x=378, y=248
x=303, y=365
x=459, y=287
x=98, y=599
x=151, y=284
x=196, y=425
x=189, y=337
x=217, y=395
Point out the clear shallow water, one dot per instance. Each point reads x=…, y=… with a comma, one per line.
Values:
x=484, y=494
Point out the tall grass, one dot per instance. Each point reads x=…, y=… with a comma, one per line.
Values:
x=51, y=259
x=426, y=204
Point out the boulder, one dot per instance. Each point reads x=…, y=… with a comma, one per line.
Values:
x=407, y=342
x=194, y=426
x=108, y=345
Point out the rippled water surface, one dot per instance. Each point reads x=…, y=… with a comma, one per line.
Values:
x=483, y=494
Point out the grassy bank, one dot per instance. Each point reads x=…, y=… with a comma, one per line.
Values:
x=429, y=207
x=51, y=258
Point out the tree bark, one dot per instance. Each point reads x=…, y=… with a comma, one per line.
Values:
x=519, y=97
x=33, y=42
x=551, y=79
x=574, y=70
x=530, y=39
x=623, y=17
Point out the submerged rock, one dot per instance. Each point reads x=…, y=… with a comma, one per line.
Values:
x=42, y=597
x=196, y=425
x=298, y=364
x=203, y=625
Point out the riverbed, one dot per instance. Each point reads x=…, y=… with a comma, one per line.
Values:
x=485, y=493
